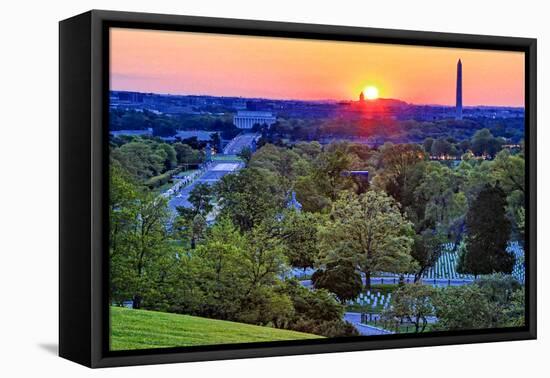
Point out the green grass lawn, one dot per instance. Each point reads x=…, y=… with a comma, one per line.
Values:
x=140, y=329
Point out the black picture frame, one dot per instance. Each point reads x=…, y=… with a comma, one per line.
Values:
x=83, y=166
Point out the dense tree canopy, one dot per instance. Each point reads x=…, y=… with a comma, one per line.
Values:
x=488, y=231
x=369, y=231
x=431, y=186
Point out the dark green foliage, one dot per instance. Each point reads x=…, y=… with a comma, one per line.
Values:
x=340, y=278
x=145, y=159
x=187, y=156
x=369, y=231
x=299, y=234
x=428, y=143
x=250, y=196
x=502, y=291
x=441, y=147
x=245, y=154
x=233, y=268
x=462, y=308
x=488, y=232
x=216, y=142
x=412, y=303
x=201, y=198
x=140, y=158
x=484, y=143
x=168, y=125
x=495, y=301
x=426, y=250
x=164, y=129
x=141, y=259
x=316, y=312
x=155, y=182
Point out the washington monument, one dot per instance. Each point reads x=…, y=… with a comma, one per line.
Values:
x=459, y=90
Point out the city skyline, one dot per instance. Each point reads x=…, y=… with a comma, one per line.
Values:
x=183, y=63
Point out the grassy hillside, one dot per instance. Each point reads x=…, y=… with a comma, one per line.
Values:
x=139, y=329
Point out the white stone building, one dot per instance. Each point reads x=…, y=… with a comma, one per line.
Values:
x=246, y=119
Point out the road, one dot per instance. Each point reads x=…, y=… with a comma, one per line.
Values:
x=211, y=174
x=236, y=145
x=438, y=282
x=365, y=330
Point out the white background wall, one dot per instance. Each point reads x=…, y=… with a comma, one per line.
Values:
x=29, y=186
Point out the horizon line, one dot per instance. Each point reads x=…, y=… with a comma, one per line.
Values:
x=312, y=100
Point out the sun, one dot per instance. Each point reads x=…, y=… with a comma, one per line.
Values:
x=371, y=93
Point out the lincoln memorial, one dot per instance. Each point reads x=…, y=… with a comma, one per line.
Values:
x=245, y=119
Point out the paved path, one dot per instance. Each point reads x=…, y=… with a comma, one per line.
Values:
x=364, y=330
x=439, y=282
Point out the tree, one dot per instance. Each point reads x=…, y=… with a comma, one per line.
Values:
x=316, y=311
x=186, y=155
x=245, y=154
x=216, y=141
x=488, y=231
x=403, y=168
x=399, y=159
x=500, y=290
x=333, y=161
x=509, y=172
x=441, y=147
x=170, y=160
x=197, y=228
x=370, y=232
x=463, y=308
x=221, y=276
x=484, y=143
x=286, y=164
x=201, y=197
x=299, y=234
x=438, y=203
x=514, y=313
x=264, y=259
x=426, y=251
x=140, y=159
x=141, y=258
x=191, y=221
x=413, y=303
x=428, y=143
x=339, y=278
x=250, y=196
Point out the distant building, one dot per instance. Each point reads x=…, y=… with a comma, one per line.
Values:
x=459, y=90
x=361, y=97
x=246, y=119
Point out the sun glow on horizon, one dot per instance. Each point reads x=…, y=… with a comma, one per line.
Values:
x=177, y=62
x=371, y=92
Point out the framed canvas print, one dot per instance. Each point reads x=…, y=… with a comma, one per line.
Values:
x=234, y=188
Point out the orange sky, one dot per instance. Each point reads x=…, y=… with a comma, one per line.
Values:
x=222, y=65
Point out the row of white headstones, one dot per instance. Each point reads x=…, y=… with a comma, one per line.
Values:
x=373, y=299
